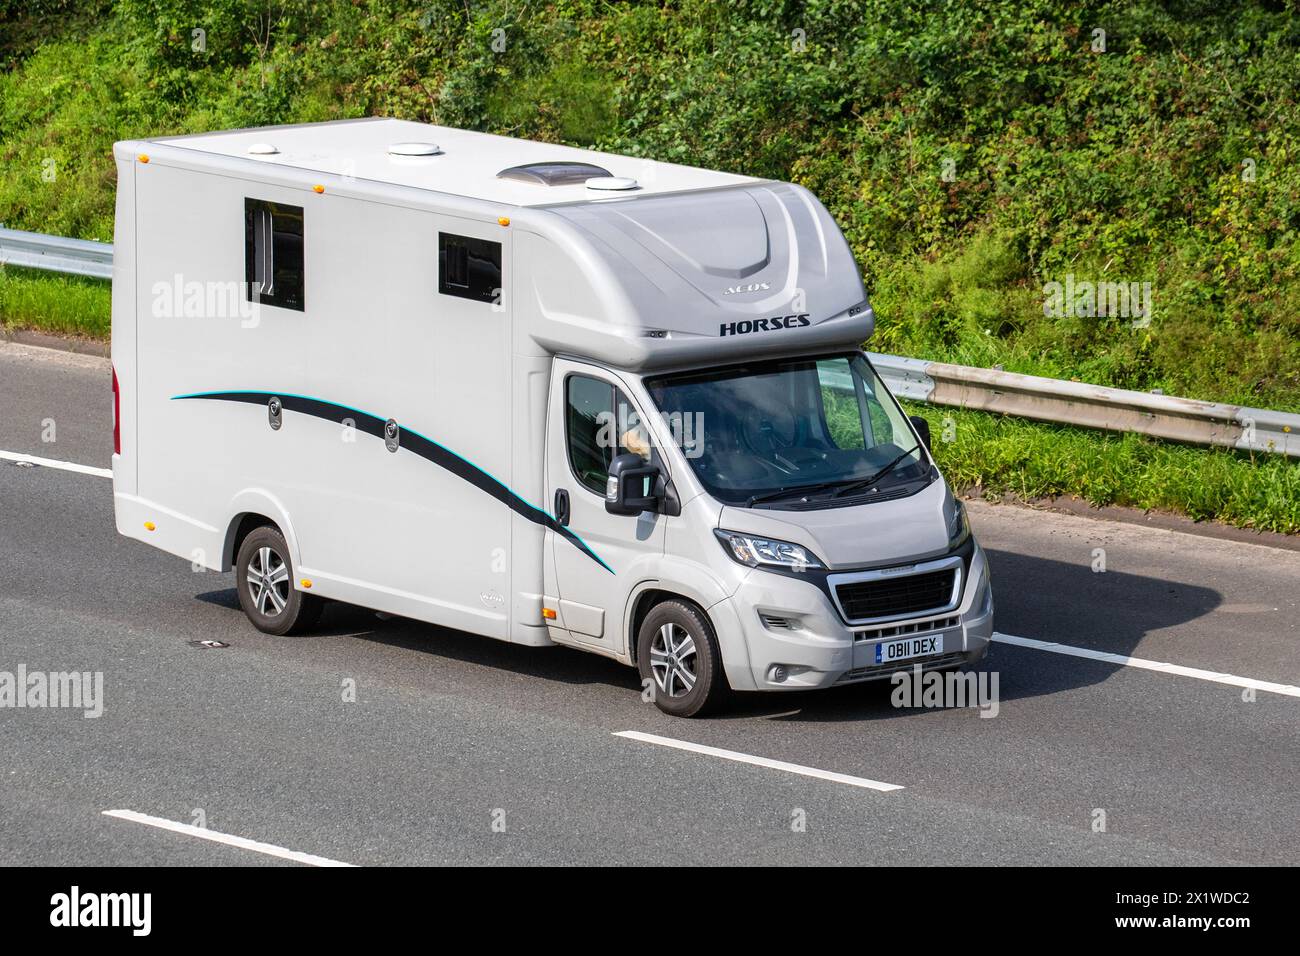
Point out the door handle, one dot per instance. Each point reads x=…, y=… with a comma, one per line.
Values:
x=561, y=506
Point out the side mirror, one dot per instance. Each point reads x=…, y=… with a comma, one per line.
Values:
x=629, y=489
x=922, y=428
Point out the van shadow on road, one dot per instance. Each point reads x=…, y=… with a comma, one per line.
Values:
x=1035, y=597
x=554, y=664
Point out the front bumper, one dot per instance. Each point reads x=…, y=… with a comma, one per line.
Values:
x=796, y=638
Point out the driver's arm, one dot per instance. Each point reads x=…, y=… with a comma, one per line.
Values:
x=636, y=441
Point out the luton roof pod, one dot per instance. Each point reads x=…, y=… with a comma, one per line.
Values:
x=708, y=276
x=642, y=264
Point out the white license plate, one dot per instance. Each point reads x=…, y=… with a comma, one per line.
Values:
x=901, y=650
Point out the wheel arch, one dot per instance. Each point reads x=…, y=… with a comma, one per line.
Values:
x=718, y=612
x=252, y=509
x=643, y=603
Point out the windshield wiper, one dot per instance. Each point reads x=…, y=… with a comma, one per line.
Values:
x=844, y=485
x=868, y=482
x=791, y=490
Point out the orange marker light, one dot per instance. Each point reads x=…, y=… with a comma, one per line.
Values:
x=306, y=582
x=149, y=526
x=318, y=188
x=503, y=220
x=144, y=158
x=548, y=613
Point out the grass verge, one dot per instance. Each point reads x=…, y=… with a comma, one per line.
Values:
x=47, y=302
x=1002, y=455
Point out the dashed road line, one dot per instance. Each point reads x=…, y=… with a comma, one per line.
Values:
x=20, y=458
x=242, y=843
x=758, y=761
x=1287, y=690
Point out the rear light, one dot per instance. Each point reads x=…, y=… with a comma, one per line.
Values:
x=117, y=417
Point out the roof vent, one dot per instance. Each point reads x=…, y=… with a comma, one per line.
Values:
x=613, y=183
x=262, y=149
x=414, y=149
x=553, y=174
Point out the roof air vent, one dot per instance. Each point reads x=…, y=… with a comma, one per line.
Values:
x=262, y=149
x=414, y=149
x=553, y=174
x=613, y=183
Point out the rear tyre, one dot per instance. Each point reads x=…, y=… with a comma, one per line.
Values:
x=264, y=578
x=678, y=653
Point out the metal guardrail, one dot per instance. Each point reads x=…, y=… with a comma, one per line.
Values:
x=1091, y=406
x=937, y=383
x=33, y=250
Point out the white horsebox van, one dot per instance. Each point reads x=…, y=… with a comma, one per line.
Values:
x=537, y=393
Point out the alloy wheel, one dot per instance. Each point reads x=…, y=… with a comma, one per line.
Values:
x=268, y=581
x=672, y=660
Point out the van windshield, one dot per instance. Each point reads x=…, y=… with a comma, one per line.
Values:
x=804, y=432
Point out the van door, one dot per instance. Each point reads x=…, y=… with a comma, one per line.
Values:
x=594, y=554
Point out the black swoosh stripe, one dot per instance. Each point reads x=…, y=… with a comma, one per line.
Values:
x=417, y=444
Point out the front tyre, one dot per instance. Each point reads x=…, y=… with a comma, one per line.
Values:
x=678, y=653
x=264, y=577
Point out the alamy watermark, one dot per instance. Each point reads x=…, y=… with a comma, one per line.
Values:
x=179, y=299
x=132, y=911
x=939, y=689
x=1085, y=299
x=76, y=690
x=625, y=429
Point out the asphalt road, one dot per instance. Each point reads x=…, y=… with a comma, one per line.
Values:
x=451, y=734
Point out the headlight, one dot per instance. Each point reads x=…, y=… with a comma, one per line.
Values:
x=958, y=525
x=759, y=552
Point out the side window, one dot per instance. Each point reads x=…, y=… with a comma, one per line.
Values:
x=840, y=404
x=469, y=268
x=589, y=411
x=879, y=421
x=600, y=422
x=881, y=427
x=273, y=257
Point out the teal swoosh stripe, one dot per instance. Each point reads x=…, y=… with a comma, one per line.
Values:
x=414, y=442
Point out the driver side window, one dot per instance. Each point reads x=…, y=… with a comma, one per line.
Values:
x=600, y=422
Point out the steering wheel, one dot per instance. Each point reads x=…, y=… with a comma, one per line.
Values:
x=768, y=431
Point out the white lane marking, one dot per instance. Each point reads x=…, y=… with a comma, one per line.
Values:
x=241, y=842
x=1178, y=669
x=758, y=761
x=55, y=463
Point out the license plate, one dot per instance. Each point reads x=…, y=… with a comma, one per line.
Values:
x=890, y=651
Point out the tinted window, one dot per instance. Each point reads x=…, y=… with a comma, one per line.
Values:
x=273, y=257
x=469, y=268
x=600, y=423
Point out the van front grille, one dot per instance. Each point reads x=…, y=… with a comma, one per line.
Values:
x=893, y=597
x=905, y=629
